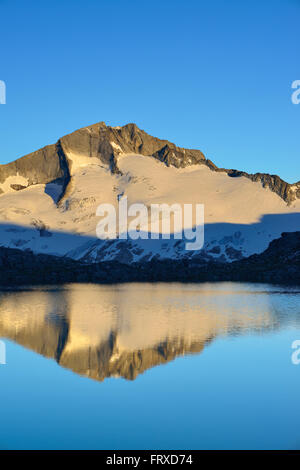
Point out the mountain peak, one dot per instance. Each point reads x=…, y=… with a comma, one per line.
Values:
x=102, y=143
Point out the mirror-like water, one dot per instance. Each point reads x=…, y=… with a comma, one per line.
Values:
x=198, y=366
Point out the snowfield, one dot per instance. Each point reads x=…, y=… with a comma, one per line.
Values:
x=241, y=217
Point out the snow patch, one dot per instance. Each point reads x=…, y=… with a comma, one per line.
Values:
x=11, y=180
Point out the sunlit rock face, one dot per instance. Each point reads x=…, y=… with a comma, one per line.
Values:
x=49, y=199
x=123, y=330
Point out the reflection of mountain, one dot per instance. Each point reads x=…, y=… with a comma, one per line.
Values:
x=104, y=331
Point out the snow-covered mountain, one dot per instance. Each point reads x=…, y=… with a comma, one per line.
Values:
x=48, y=199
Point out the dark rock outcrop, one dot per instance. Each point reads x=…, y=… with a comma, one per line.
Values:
x=40, y=167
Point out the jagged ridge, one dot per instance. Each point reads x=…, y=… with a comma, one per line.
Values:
x=51, y=163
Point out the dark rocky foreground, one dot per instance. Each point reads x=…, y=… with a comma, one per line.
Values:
x=279, y=263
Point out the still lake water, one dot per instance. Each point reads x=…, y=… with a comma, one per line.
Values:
x=150, y=366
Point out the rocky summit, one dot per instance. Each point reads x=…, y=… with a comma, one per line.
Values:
x=52, y=163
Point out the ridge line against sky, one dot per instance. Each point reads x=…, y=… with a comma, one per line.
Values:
x=214, y=76
x=222, y=168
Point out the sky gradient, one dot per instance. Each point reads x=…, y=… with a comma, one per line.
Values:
x=214, y=75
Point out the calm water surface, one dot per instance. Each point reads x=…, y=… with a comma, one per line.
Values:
x=150, y=366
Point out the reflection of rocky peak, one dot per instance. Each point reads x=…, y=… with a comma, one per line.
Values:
x=50, y=337
x=121, y=331
x=107, y=361
x=98, y=362
x=54, y=163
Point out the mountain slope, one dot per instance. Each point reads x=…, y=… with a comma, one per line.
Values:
x=48, y=199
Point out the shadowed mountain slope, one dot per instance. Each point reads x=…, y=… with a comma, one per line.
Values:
x=280, y=263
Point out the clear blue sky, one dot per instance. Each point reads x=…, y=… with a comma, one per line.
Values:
x=214, y=75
